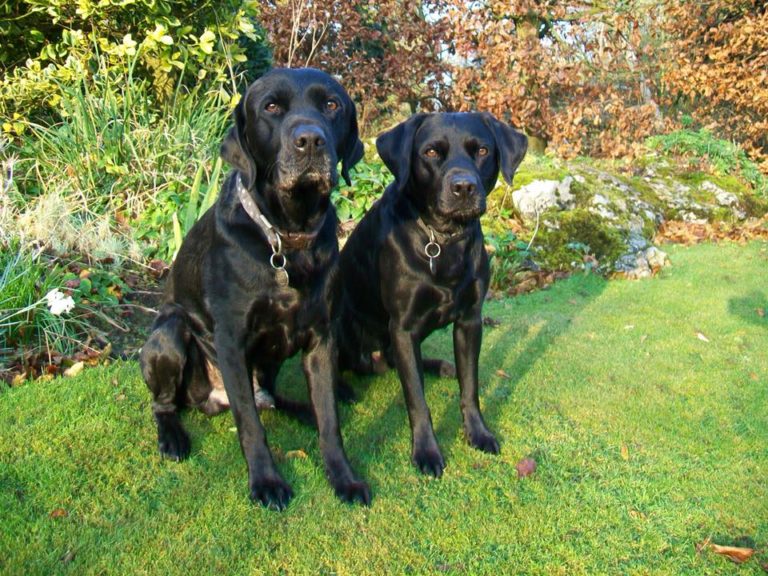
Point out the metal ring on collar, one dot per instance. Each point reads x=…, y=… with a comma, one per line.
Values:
x=272, y=261
x=436, y=247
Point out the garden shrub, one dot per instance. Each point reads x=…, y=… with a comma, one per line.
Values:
x=46, y=45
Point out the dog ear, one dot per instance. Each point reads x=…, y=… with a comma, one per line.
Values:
x=396, y=146
x=235, y=150
x=512, y=146
x=352, y=149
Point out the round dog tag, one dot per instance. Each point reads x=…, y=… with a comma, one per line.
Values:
x=281, y=277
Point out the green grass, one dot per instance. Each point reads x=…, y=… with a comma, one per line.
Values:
x=592, y=366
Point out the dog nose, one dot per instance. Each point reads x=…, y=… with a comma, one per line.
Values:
x=463, y=184
x=307, y=138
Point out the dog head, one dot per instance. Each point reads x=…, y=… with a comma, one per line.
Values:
x=292, y=127
x=447, y=163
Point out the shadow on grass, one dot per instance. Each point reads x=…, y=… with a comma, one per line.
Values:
x=529, y=325
x=752, y=308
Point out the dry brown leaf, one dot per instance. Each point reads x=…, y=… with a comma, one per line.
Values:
x=525, y=467
x=624, y=452
x=760, y=312
x=702, y=337
x=501, y=374
x=734, y=553
x=58, y=513
x=75, y=369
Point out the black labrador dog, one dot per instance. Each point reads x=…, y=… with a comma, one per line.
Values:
x=417, y=262
x=252, y=282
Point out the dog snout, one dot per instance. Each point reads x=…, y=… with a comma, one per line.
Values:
x=463, y=184
x=308, y=139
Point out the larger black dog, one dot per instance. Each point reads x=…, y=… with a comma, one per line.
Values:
x=417, y=262
x=251, y=284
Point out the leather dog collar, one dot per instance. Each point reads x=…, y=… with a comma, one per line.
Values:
x=276, y=239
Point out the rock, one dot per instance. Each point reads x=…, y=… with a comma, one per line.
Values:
x=579, y=178
x=601, y=207
x=642, y=264
x=542, y=194
x=723, y=198
x=656, y=258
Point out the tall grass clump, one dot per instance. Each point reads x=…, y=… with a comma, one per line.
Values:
x=30, y=320
x=114, y=158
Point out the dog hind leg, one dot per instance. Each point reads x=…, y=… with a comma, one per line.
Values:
x=163, y=360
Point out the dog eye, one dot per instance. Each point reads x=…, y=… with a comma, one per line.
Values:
x=431, y=153
x=273, y=108
x=331, y=105
x=482, y=151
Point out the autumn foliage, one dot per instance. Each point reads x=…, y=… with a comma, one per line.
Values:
x=387, y=53
x=718, y=67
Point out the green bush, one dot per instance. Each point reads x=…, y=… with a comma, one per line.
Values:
x=45, y=45
x=369, y=179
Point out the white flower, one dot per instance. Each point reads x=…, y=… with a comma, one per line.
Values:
x=58, y=303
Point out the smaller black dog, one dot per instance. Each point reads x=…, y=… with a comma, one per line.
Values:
x=417, y=262
x=252, y=283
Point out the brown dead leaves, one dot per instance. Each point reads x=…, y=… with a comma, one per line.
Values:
x=688, y=233
x=737, y=554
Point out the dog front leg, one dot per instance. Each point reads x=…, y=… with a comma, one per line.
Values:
x=467, y=337
x=319, y=363
x=265, y=483
x=425, y=452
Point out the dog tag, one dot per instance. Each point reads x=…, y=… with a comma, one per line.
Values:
x=281, y=277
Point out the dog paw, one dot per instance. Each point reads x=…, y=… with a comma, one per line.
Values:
x=273, y=493
x=482, y=439
x=172, y=440
x=353, y=491
x=429, y=461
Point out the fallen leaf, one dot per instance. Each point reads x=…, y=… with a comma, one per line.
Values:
x=629, y=327
x=734, y=553
x=637, y=515
x=760, y=312
x=19, y=379
x=701, y=337
x=295, y=454
x=643, y=338
x=753, y=376
x=501, y=374
x=75, y=369
x=624, y=452
x=525, y=467
x=58, y=513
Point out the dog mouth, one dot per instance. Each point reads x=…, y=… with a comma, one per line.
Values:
x=316, y=178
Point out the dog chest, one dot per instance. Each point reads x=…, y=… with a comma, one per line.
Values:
x=280, y=323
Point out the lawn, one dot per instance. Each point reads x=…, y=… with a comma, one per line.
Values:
x=645, y=405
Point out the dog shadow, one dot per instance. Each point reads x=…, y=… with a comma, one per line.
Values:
x=503, y=365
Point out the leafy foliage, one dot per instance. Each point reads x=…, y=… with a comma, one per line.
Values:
x=576, y=74
x=720, y=75
x=369, y=181
x=47, y=45
x=387, y=53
